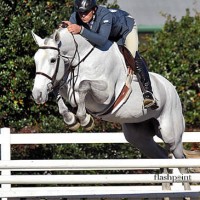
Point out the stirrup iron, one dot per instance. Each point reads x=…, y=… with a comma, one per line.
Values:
x=149, y=102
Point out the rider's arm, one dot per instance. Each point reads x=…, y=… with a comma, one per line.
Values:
x=101, y=37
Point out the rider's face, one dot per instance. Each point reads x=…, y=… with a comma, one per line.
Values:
x=86, y=16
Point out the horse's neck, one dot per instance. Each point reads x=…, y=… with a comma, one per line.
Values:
x=78, y=49
x=74, y=45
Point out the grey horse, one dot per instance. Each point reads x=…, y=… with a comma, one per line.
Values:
x=92, y=79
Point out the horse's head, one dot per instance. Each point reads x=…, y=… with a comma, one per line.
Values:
x=50, y=67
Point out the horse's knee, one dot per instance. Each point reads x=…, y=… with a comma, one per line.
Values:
x=84, y=86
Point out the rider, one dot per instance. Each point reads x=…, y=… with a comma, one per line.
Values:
x=99, y=24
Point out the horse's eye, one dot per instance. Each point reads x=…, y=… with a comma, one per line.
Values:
x=53, y=60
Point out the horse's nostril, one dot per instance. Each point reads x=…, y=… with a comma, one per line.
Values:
x=39, y=98
x=49, y=87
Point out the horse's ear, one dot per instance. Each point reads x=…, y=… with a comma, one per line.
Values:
x=37, y=39
x=56, y=36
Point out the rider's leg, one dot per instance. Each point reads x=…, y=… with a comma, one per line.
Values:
x=131, y=41
x=142, y=74
x=144, y=79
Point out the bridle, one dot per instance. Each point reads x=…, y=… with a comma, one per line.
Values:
x=56, y=85
x=53, y=78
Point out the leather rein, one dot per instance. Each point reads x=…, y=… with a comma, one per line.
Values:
x=56, y=86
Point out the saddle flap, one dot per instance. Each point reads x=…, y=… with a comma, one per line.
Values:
x=129, y=59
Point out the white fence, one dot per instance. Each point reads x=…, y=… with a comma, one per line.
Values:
x=120, y=185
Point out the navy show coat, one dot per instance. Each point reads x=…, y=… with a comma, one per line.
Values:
x=108, y=24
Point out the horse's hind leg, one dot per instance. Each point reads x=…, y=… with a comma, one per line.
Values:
x=178, y=153
x=174, y=125
x=141, y=136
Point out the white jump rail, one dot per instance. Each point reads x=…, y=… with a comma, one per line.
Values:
x=115, y=185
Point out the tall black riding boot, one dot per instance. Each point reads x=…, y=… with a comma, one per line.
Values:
x=144, y=81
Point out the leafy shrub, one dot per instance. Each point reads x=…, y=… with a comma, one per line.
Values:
x=17, y=19
x=17, y=68
x=17, y=71
x=174, y=52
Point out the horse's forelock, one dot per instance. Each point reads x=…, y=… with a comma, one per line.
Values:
x=46, y=41
x=49, y=41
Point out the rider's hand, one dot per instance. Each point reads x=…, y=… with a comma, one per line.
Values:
x=67, y=23
x=64, y=24
x=74, y=28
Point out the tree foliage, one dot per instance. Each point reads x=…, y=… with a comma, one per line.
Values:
x=174, y=52
x=17, y=70
x=17, y=19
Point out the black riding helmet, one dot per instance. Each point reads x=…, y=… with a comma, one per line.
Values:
x=84, y=5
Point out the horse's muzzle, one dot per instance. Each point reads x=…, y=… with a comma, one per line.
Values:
x=39, y=97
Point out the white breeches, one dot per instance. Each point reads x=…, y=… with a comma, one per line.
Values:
x=131, y=41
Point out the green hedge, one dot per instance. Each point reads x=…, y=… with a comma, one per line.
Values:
x=17, y=69
x=174, y=52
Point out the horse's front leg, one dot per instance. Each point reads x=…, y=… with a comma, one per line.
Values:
x=85, y=119
x=68, y=117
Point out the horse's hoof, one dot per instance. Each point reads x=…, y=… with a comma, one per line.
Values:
x=74, y=127
x=90, y=125
x=186, y=186
x=166, y=186
x=186, y=198
x=166, y=198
